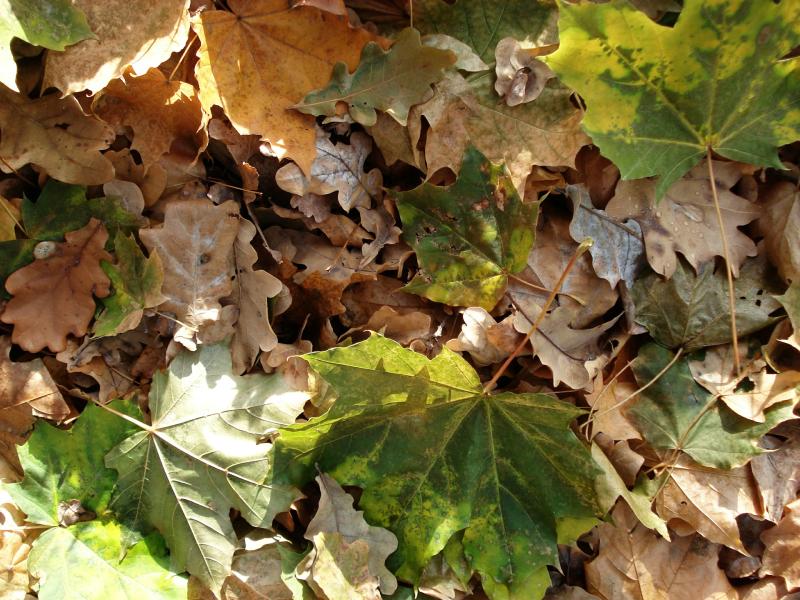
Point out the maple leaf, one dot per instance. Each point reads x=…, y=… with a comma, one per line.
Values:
x=55, y=134
x=691, y=311
x=660, y=97
x=54, y=25
x=95, y=548
x=201, y=456
x=298, y=47
x=468, y=237
x=137, y=285
x=674, y=412
x=389, y=81
x=125, y=36
x=685, y=221
x=435, y=455
x=163, y=115
x=338, y=530
x=53, y=297
x=777, y=476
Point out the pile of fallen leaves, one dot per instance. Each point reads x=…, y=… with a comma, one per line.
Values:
x=383, y=299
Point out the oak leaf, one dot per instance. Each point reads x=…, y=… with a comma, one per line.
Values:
x=55, y=134
x=281, y=52
x=782, y=547
x=125, y=36
x=53, y=297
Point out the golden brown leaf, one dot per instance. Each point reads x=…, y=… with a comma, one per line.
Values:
x=783, y=547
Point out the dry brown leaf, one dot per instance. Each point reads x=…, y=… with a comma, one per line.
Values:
x=607, y=402
x=487, y=341
x=521, y=76
x=777, y=476
x=709, y=500
x=392, y=139
x=282, y=53
x=779, y=223
x=93, y=360
x=636, y=564
x=782, y=553
x=339, y=229
x=251, y=293
x=15, y=542
x=52, y=297
x=128, y=34
x=53, y=133
x=151, y=182
x=165, y=116
x=241, y=147
x=685, y=220
x=767, y=588
x=196, y=247
x=403, y=327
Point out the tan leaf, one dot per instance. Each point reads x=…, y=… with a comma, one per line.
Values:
x=685, y=220
x=779, y=223
x=392, y=139
x=9, y=219
x=53, y=296
x=165, y=116
x=113, y=381
x=339, y=229
x=777, y=476
x=196, y=247
x=521, y=76
x=342, y=537
x=53, y=133
x=128, y=34
x=15, y=542
x=251, y=293
x=403, y=327
x=709, y=500
x=783, y=547
x=487, y=341
x=636, y=564
x=282, y=52
x=607, y=402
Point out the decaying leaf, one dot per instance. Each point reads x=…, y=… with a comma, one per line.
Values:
x=125, y=36
x=791, y=303
x=55, y=134
x=782, y=547
x=777, y=476
x=487, y=341
x=521, y=76
x=779, y=223
x=53, y=297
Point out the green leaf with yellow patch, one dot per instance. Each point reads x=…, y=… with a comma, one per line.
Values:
x=437, y=456
x=659, y=97
x=469, y=237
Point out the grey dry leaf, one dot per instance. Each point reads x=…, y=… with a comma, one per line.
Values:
x=487, y=341
x=53, y=133
x=634, y=563
x=777, y=476
x=685, y=219
x=195, y=245
x=779, y=224
x=340, y=531
x=336, y=168
x=783, y=547
x=521, y=76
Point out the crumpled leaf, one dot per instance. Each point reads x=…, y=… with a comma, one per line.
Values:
x=137, y=284
x=483, y=23
x=782, y=546
x=521, y=76
x=163, y=115
x=779, y=224
x=296, y=46
x=54, y=25
x=487, y=341
x=635, y=563
x=691, y=311
x=50, y=452
x=55, y=134
x=674, y=412
x=658, y=97
x=617, y=251
x=469, y=237
x=685, y=220
x=97, y=547
x=390, y=81
x=53, y=297
x=341, y=532
x=436, y=456
x=125, y=36
x=195, y=246
x=202, y=457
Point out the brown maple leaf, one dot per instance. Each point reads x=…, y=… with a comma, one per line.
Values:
x=52, y=297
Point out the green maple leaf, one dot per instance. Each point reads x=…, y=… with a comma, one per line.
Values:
x=201, y=457
x=691, y=311
x=391, y=81
x=659, y=97
x=61, y=466
x=54, y=24
x=83, y=562
x=483, y=23
x=435, y=456
x=468, y=237
x=676, y=413
x=137, y=285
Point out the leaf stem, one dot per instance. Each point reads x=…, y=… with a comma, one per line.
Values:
x=583, y=247
x=726, y=256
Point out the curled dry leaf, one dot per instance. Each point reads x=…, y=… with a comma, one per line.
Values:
x=53, y=297
x=783, y=547
x=521, y=77
x=487, y=341
x=403, y=327
x=125, y=34
x=55, y=134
